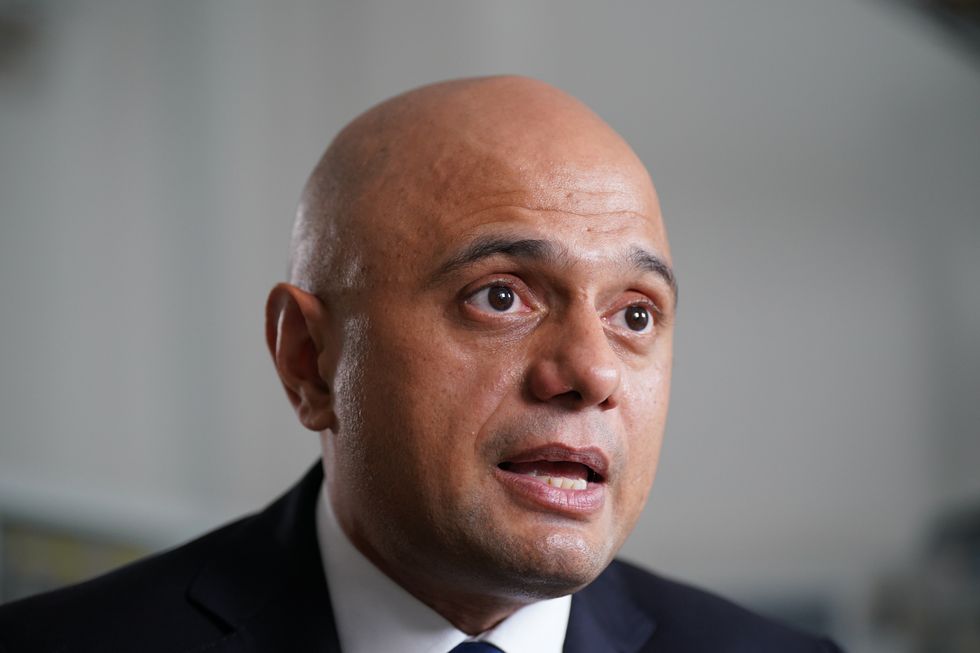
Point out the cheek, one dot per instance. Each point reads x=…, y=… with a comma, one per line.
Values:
x=423, y=395
x=645, y=414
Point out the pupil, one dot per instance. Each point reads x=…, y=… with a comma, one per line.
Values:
x=637, y=318
x=501, y=298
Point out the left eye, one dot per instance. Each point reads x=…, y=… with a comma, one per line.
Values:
x=636, y=318
x=496, y=299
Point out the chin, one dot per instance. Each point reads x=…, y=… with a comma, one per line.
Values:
x=556, y=565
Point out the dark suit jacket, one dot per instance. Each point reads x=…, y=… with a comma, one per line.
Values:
x=258, y=585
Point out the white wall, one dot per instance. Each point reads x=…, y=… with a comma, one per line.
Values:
x=818, y=166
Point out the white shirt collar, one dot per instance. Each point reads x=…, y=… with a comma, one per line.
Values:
x=373, y=613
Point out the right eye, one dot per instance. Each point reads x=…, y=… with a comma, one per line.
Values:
x=496, y=299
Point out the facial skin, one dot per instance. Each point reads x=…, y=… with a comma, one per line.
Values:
x=472, y=265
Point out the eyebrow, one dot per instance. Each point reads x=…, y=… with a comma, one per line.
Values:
x=537, y=249
x=487, y=246
x=649, y=262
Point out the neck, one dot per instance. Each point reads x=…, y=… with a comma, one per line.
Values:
x=472, y=612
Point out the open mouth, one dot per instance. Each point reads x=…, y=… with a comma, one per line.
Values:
x=563, y=474
x=557, y=479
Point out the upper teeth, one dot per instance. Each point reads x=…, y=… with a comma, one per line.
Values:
x=561, y=481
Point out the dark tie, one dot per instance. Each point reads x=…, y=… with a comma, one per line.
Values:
x=476, y=647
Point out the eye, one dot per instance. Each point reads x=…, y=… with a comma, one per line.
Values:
x=496, y=299
x=636, y=318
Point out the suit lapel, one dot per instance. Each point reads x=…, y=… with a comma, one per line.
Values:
x=604, y=618
x=267, y=583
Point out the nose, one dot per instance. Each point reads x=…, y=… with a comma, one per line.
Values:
x=576, y=365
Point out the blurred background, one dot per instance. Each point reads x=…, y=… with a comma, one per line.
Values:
x=819, y=168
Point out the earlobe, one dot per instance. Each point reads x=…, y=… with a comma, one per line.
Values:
x=297, y=331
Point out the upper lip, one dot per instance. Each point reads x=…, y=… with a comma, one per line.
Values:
x=592, y=457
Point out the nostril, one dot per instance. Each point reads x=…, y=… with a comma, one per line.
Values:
x=571, y=399
x=608, y=403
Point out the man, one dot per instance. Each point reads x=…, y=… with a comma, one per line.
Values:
x=479, y=326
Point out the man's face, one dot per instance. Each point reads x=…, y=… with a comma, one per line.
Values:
x=503, y=383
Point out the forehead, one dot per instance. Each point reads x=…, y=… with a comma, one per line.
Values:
x=586, y=206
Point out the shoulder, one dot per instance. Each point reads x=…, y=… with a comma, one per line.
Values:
x=142, y=606
x=687, y=618
x=226, y=586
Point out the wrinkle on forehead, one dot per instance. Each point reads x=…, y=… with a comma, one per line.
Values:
x=410, y=166
x=606, y=194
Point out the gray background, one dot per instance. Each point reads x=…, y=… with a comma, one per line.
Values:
x=818, y=165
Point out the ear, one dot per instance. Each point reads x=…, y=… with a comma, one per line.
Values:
x=300, y=336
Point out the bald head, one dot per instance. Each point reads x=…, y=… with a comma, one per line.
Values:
x=461, y=145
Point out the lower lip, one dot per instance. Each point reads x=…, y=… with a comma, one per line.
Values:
x=573, y=503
